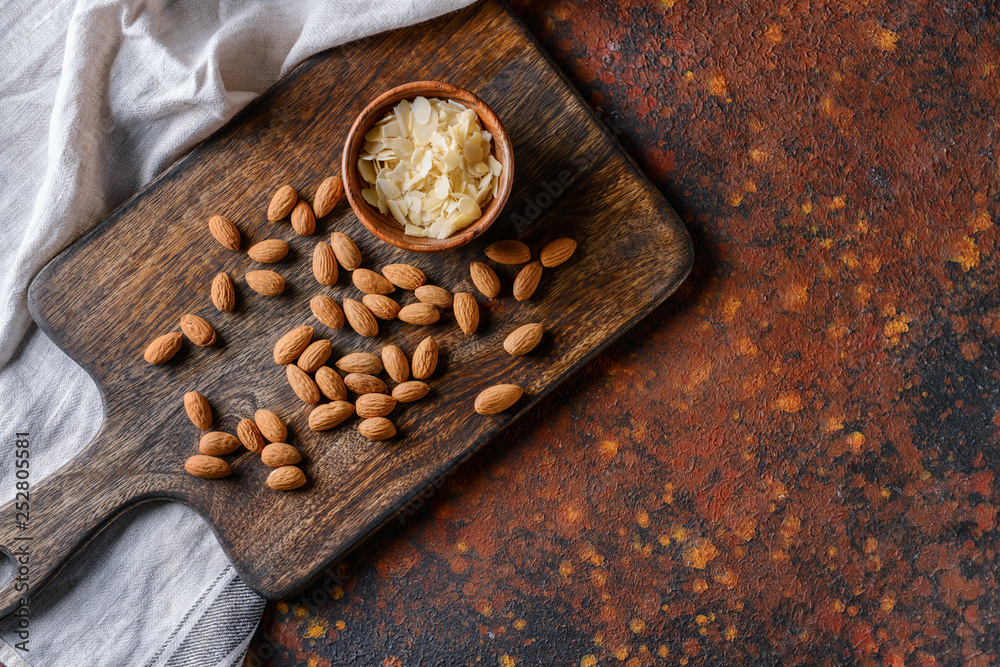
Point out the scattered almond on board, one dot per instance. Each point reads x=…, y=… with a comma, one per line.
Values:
x=350, y=380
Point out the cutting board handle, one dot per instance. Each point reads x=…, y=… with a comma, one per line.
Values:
x=42, y=527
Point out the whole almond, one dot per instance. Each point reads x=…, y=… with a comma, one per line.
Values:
x=485, y=279
x=198, y=330
x=292, y=344
x=198, y=410
x=303, y=219
x=381, y=306
x=374, y=405
x=286, y=478
x=346, y=250
x=250, y=435
x=269, y=251
x=303, y=385
x=282, y=203
x=466, y=312
x=223, y=294
x=425, y=358
x=224, y=231
x=508, y=252
x=497, y=398
x=217, y=443
x=360, y=318
x=327, y=311
x=361, y=383
x=434, y=295
x=265, y=282
x=279, y=454
x=328, y=195
x=523, y=339
x=314, y=356
x=527, y=280
x=324, y=417
x=324, y=264
x=556, y=252
x=208, y=467
x=418, y=313
x=271, y=425
x=377, y=428
x=408, y=392
x=163, y=349
x=395, y=363
x=360, y=362
x=331, y=384
x=404, y=276
x=370, y=282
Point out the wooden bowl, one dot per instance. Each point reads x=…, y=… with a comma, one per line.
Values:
x=385, y=227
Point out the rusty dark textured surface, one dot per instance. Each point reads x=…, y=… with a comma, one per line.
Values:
x=795, y=459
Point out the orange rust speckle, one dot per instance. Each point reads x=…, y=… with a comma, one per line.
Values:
x=884, y=39
x=283, y=606
x=340, y=625
x=980, y=222
x=637, y=625
x=316, y=661
x=700, y=552
x=337, y=592
x=565, y=568
x=759, y=155
x=717, y=85
x=664, y=540
x=590, y=555
x=642, y=519
x=788, y=401
x=520, y=624
x=895, y=328
x=699, y=586
x=679, y=533
x=838, y=606
x=838, y=203
x=773, y=33
x=701, y=619
x=316, y=627
x=608, y=449
x=735, y=199
x=747, y=529
x=621, y=653
x=730, y=633
x=729, y=310
x=727, y=578
x=856, y=441
x=589, y=660
x=300, y=611
x=888, y=602
x=780, y=556
x=807, y=207
x=392, y=661
x=965, y=253
x=746, y=347
x=506, y=661
x=871, y=544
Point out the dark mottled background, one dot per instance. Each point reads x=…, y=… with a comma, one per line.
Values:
x=794, y=459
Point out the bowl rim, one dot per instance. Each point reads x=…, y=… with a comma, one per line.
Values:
x=373, y=112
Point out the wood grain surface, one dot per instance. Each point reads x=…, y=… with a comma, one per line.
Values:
x=152, y=260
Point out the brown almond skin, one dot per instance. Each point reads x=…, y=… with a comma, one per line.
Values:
x=326, y=310
x=395, y=363
x=466, y=312
x=408, y=392
x=360, y=362
x=498, y=398
x=324, y=264
x=331, y=384
x=328, y=195
x=286, y=478
x=250, y=436
x=198, y=330
x=434, y=295
x=374, y=405
x=292, y=344
x=217, y=443
x=420, y=314
x=269, y=251
x=523, y=339
x=485, y=279
x=360, y=383
x=370, y=282
x=224, y=231
x=271, y=425
x=556, y=252
x=425, y=359
x=404, y=276
x=303, y=219
x=527, y=281
x=279, y=454
x=326, y=417
x=381, y=306
x=303, y=385
x=223, y=293
x=508, y=252
x=267, y=283
x=360, y=318
x=377, y=428
x=198, y=410
x=282, y=203
x=207, y=467
x=163, y=349
x=346, y=250
x=314, y=356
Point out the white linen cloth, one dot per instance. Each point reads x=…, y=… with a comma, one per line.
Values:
x=96, y=98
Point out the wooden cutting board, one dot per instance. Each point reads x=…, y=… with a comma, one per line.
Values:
x=132, y=277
